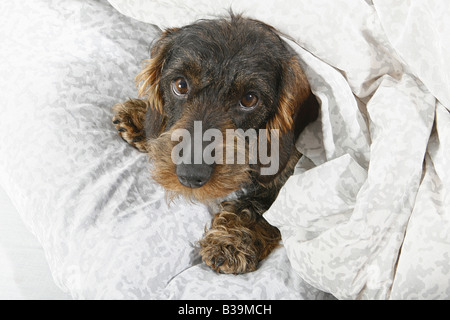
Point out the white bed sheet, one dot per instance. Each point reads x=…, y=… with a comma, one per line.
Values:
x=24, y=271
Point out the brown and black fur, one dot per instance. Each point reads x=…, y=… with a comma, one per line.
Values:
x=222, y=60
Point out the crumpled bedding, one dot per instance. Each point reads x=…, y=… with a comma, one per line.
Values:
x=365, y=216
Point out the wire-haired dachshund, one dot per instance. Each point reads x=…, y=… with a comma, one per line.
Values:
x=218, y=76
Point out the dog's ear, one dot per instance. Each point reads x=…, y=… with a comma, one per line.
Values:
x=294, y=92
x=148, y=79
x=297, y=107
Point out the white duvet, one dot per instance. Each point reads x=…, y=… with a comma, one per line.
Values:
x=366, y=215
x=372, y=218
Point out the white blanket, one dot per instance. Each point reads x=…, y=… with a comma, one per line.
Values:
x=367, y=215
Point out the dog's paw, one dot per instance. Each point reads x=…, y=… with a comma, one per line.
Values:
x=228, y=255
x=128, y=120
x=228, y=247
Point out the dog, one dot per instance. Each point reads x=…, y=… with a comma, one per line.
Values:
x=226, y=74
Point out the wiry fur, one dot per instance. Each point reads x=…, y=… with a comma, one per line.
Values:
x=222, y=59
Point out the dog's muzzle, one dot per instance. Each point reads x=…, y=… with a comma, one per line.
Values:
x=194, y=176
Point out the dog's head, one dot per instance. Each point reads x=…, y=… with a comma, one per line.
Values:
x=221, y=75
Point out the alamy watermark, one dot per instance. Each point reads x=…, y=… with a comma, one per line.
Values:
x=209, y=147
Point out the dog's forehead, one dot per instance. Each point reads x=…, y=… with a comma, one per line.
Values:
x=241, y=44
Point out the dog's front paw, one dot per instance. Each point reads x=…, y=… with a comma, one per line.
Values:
x=228, y=254
x=128, y=119
x=230, y=247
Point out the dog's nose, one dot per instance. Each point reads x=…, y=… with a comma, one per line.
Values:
x=194, y=175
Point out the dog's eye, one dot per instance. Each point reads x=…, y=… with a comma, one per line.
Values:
x=180, y=87
x=249, y=100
